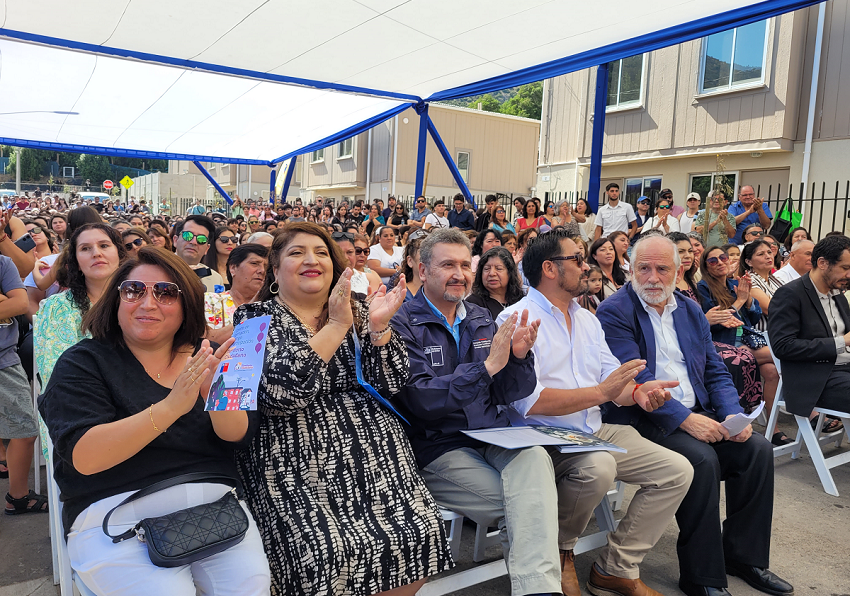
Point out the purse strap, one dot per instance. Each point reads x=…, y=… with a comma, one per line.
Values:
x=156, y=487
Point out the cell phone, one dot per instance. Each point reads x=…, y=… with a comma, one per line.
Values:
x=25, y=243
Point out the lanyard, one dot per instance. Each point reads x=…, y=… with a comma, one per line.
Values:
x=363, y=383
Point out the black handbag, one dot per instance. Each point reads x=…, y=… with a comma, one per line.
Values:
x=187, y=535
x=752, y=338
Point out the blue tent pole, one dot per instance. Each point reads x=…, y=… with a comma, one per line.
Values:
x=598, y=134
x=286, y=181
x=441, y=147
x=215, y=184
x=422, y=110
x=272, y=180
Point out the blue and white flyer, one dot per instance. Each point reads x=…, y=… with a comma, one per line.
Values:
x=237, y=378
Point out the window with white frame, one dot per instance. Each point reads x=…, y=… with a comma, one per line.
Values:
x=345, y=148
x=703, y=184
x=317, y=156
x=211, y=167
x=643, y=186
x=462, y=163
x=734, y=58
x=625, y=82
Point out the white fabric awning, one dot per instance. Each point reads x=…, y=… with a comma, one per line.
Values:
x=255, y=81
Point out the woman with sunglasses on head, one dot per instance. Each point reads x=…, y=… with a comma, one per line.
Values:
x=368, y=521
x=603, y=255
x=112, y=437
x=739, y=361
x=134, y=239
x=223, y=243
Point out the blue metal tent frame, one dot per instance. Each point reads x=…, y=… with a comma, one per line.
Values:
x=596, y=57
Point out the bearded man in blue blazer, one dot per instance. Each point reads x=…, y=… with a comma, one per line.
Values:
x=648, y=319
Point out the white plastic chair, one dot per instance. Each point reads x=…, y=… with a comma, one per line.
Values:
x=813, y=445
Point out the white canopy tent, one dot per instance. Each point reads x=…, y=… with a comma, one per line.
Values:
x=259, y=81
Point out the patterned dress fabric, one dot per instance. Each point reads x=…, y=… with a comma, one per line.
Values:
x=742, y=365
x=330, y=475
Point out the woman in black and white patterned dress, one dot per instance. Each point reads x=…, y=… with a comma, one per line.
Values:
x=330, y=475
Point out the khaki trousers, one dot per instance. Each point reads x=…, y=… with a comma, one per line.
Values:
x=583, y=479
x=514, y=490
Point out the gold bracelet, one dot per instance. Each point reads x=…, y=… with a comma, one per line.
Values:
x=150, y=412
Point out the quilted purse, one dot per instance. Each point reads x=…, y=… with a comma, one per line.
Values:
x=191, y=534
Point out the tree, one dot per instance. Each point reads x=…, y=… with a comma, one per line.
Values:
x=31, y=163
x=528, y=102
x=488, y=103
x=95, y=168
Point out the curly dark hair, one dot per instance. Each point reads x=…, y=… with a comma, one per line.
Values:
x=477, y=246
x=68, y=272
x=513, y=293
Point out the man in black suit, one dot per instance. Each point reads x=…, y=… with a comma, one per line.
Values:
x=809, y=330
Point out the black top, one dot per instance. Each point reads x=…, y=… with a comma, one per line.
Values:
x=95, y=383
x=491, y=304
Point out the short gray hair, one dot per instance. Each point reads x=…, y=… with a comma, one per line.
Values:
x=643, y=240
x=799, y=244
x=441, y=236
x=256, y=236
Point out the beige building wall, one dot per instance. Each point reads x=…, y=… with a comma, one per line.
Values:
x=502, y=157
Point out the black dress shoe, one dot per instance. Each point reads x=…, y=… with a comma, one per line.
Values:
x=761, y=579
x=692, y=589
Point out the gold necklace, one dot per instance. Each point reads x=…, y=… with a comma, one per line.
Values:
x=310, y=328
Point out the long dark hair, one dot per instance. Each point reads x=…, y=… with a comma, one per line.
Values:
x=68, y=272
x=617, y=273
x=587, y=208
x=513, y=293
x=718, y=288
x=102, y=320
x=211, y=258
x=479, y=240
x=748, y=251
x=688, y=275
x=284, y=238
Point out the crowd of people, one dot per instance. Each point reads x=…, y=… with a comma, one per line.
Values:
x=391, y=333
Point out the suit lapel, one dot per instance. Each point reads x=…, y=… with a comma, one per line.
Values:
x=843, y=308
x=812, y=293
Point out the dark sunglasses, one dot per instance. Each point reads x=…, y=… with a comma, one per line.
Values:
x=360, y=251
x=136, y=242
x=714, y=260
x=229, y=239
x=187, y=236
x=664, y=206
x=417, y=202
x=343, y=236
x=164, y=292
x=253, y=221
x=750, y=233
x=579, y=259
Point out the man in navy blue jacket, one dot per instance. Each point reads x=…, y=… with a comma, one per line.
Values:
x=647, y=319
x=460, y=217
x=461, y=370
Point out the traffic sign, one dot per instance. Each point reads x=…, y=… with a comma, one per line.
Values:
x=108, y=184
x=126, y=182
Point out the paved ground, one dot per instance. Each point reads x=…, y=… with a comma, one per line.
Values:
x=811, y=542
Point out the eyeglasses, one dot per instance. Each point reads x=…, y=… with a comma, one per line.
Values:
x=35, y=230
x=754, y=233
x=229, y=239
x=360, y=251
x=343, y=236
x=136, y=242
x=714, y=260
x=187, y=236
x=500, y=210
x=579, y=259
x=164, y=292
x=664, y=206
x=253, y=221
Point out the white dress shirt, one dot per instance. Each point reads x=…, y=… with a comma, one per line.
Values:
x=672, y=224
x=787, y=274
x=836, y=325
x=670, y=362
x=563, y=360
x=615, y=219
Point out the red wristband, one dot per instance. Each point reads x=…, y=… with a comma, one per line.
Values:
x=635, y=389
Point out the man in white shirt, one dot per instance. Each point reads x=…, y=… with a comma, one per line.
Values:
x=615, y=216
x=438, y=218
x=576, y=373
x=799, y=263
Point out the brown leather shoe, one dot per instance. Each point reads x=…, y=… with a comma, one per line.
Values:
x=569, y=579
x=610, y=585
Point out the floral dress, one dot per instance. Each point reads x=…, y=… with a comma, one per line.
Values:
x=330, y=475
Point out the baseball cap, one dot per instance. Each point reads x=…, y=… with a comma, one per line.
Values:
x=644, y=200
x=693, y=195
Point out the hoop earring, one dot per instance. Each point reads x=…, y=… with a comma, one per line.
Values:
x=274, y=288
